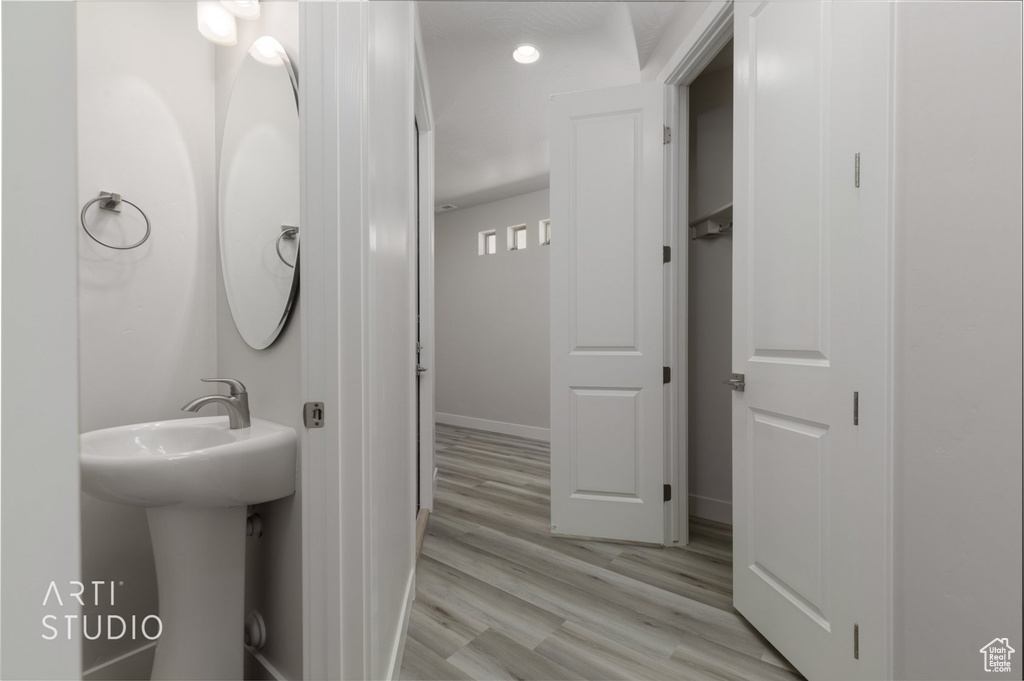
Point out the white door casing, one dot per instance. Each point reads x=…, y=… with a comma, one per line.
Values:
x=810, y=488
x=427, y=384
x=607, y=334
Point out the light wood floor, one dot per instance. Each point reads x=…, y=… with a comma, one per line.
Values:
x=497, y=597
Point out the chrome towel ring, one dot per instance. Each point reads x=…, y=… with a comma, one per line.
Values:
x=291, y=233
x=112, y=202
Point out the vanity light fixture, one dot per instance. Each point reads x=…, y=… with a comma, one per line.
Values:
x=216, y=24
x=526, y=53
x=267, y=50
x=243, y=9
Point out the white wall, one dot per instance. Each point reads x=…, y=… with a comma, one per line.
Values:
x=147, y=316
x=40, y=369
x=958, y=337
x=391, y=210
x=273, y=378
x=493, y=345
x=710, y=300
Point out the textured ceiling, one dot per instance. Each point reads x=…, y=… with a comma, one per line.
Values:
x=490, y=112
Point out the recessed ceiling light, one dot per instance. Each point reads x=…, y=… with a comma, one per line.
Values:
x=526, y=54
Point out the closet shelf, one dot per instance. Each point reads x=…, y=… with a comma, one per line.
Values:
x=714, y=224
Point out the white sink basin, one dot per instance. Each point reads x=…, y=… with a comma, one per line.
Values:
x=199, y=463
x=195, y=478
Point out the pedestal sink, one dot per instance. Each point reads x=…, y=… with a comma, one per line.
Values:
x=195, y=477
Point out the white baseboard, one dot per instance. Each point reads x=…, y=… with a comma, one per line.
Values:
x=711, y=509
x=138, y=663
x=135, y=664
x=397, y=650
x=529, y=432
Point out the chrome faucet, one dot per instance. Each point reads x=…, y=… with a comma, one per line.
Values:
x=237, y=404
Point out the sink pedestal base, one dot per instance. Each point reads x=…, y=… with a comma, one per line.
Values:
x=200, y=572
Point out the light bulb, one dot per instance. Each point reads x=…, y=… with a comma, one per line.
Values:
x=216, y=24
x=243, y=9
x=526, y=54
x=267, y=50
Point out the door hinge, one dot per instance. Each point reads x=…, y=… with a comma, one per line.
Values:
x=668, y=493
x=856, y=641
x=856, y=408
x=667, y=135
x=856, y=170
x=313, y=414
x=666, y=374
x=666, y=254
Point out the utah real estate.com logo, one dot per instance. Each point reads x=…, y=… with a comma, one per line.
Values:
x=997, y=654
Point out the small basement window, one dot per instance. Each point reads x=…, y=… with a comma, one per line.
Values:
x=517, y=238
x=545, y=232
x=488, y=242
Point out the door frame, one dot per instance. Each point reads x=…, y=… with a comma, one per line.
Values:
x=339, y=604
x=337, y=610
x=427, y=387
x=711, y=32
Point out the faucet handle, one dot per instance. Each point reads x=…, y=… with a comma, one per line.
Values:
x=237, y=388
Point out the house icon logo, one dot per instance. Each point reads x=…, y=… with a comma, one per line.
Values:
x=997, y=655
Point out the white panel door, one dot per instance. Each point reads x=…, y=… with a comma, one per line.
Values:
x=607, y=394
x=809, y=497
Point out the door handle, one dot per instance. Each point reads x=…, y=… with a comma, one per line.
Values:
x=420, y=369
x=737, y=382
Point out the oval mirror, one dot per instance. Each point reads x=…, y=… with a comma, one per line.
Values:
x=259, y=194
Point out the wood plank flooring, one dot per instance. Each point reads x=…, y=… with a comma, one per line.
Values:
x=498, y=597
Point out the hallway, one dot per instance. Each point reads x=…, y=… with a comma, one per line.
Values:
x=498, y=597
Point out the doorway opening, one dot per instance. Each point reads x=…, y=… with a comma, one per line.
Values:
x=488, y=255
x=707, y=231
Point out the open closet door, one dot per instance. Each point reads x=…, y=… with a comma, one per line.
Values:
x=607, y=392
x=810, y=474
